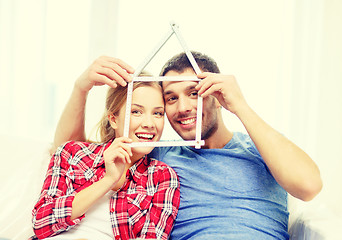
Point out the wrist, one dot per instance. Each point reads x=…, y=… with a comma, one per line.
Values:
x=79, y=90
x=109, y=181
x=243, y=112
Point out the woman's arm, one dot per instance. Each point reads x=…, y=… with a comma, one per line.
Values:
x=117, y=159
x=61, y=204
x=51, y=214
x=103, y=71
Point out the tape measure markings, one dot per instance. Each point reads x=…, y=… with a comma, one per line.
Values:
x=197, y=142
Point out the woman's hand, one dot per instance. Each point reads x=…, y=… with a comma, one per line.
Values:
x=105, y=70
x=116, y=157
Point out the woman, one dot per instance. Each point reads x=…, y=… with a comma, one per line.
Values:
x=109, y=190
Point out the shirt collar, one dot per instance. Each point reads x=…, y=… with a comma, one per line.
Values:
x=138, y=168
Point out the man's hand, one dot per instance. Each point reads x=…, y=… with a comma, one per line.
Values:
x=291, y=167
x=224, y=87
x=105, y=70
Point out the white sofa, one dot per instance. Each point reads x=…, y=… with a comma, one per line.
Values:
x=23, y=166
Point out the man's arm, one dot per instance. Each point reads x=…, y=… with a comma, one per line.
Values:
x=292, y=168
x=103, y=71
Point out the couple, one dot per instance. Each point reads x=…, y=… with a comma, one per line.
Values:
x=235, y=187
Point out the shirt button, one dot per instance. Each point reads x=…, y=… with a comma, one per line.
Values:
x=117, y=237
x=112, y=210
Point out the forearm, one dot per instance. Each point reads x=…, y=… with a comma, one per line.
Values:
x=51, y=215
x=89, y=196
x=71, y=125
x=292, y=168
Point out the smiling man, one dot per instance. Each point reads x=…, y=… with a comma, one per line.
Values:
x=236, y=186
x=181, y=103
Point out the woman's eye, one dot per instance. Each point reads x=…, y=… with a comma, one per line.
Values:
x=136, y=112
x=159, y=114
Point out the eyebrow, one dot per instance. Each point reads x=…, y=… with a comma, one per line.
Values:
x=188, y=88
x=137, y=105
x=140, y=106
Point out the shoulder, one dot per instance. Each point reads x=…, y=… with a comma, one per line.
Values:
x=159, y=152
x=244, y=141
x=74, y=151
x=75, y=146
x=162, y=169
x=159, y=165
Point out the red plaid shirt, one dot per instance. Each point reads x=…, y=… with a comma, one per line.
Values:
x=146, y=206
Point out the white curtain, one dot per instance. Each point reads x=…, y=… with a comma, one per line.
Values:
x=44, y=46
x=286, y=55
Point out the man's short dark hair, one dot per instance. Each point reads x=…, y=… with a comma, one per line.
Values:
x=180, y=63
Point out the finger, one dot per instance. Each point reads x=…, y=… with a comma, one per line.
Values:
x=121, y=141
x=124, y=156
x=102, y=79
x=125, y=146
x=118, y=70
x=118, y=66
x=212, y=90
x=202, y=76
x=112, y=75
x=204, y=85
x=124, y=65
x=116, y=154
x=122, y=73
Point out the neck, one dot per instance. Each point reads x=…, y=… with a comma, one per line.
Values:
x=136, y=157
x=220, y=137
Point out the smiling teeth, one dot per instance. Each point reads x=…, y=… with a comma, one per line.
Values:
x=144, y=135
x=188, y=121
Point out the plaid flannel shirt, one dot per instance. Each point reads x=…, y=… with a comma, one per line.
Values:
x=145, y=207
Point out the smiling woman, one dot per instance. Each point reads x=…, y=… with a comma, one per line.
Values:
x=83, y=178
x=147, y=113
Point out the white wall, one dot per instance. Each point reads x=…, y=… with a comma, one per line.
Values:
x=286, y=55
x=329, y=114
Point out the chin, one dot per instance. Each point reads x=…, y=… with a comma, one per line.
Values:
x=142, y=150
x=187, y=136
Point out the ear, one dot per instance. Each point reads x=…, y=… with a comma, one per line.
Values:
x=113, y=121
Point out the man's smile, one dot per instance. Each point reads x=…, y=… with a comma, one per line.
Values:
x=187, y=122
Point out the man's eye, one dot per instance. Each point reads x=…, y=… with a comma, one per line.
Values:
x=171, y=99
x=194, y=93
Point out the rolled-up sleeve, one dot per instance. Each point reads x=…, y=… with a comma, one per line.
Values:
x=51, y=214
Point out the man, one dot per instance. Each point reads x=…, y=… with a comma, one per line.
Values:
x=236, y=186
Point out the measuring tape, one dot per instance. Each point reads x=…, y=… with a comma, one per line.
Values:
x=197, y=142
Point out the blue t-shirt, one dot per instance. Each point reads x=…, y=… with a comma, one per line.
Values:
x=226, y=193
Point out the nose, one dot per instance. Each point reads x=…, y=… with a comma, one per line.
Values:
x=148, y=121
x=184, y=105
